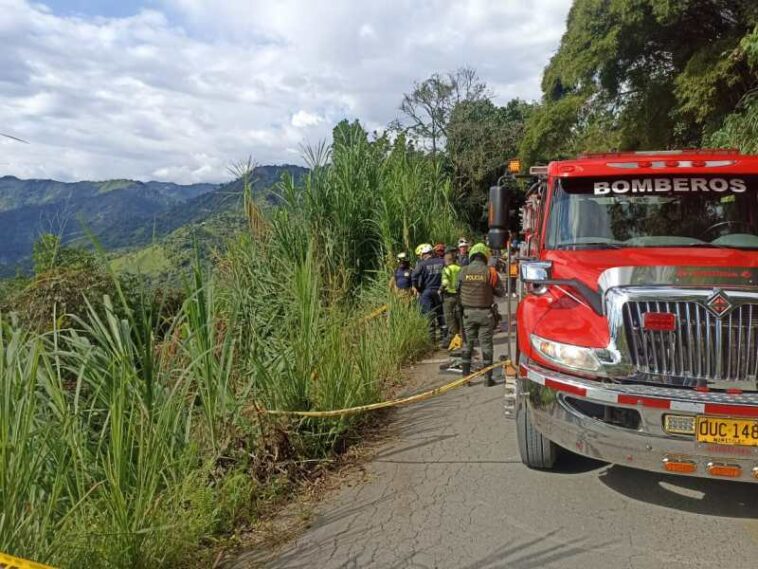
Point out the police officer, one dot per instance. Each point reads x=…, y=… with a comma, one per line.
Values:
x=478, y=285
x=400, y=283
x=427, y=279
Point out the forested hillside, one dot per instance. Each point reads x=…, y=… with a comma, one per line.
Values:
x=119, y=213
x=29, y=208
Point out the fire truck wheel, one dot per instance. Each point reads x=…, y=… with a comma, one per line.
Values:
x=536, y=450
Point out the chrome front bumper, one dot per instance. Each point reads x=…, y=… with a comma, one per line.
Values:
x=552, y=397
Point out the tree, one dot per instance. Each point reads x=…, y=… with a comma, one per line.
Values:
x=481, y=139
x=44, y=252
x=740, y=129
x=643, y=74
x=426, y=109
x=48, y=254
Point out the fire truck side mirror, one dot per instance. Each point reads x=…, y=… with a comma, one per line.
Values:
x=535, y=271
x=498, y=216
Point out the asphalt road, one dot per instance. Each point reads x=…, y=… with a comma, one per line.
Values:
x=448, y=489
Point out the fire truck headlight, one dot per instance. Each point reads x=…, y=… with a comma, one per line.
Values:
x=567, y=355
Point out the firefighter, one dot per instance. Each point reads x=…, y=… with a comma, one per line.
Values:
x=478, y=285
x=400, y=283
x=449, y=295
x=427, y=279
x=463, y=246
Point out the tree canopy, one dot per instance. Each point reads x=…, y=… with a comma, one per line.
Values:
x=426, y=110
x=644, y=74
x=481, y=139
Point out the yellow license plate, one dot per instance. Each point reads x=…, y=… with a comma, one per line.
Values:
x=723, y=431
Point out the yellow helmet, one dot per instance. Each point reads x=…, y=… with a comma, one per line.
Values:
x=480, y=249
x=423, y=249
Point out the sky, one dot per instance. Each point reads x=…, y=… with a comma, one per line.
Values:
x=177, y=90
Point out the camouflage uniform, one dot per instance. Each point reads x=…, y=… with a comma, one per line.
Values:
x=478, y=285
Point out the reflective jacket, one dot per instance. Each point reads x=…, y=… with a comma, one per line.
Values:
x=427, y=276
x=478, y=285
x=450, y=278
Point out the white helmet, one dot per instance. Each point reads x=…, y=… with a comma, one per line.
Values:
x=425, y=249
x=462, y=242
x=402, y=256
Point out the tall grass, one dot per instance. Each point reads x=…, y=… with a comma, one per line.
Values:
x=130, y=437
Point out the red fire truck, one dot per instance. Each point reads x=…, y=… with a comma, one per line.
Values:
x=637, y=328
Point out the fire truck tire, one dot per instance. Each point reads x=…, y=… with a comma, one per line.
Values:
x=536, y=450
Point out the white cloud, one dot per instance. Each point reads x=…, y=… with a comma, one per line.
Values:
x=180, y=92
x=303, y=119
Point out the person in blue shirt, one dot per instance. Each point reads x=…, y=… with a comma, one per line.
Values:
x=401, y=283
x=427, y=280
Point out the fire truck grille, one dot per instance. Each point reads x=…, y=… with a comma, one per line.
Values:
x=701, y=347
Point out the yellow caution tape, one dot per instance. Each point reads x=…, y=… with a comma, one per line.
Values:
x=393, y=402
x=376, y=313
x=10, y=562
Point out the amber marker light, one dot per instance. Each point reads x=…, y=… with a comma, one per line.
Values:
x=680, y=466
x=726, y=470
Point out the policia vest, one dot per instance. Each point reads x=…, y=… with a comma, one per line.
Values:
x=475, y=287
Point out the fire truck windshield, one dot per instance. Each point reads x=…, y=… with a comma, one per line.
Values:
x=654, y=212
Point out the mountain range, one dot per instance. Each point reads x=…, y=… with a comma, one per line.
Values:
x=120, y=214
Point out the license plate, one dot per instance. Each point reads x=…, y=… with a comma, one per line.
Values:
x=722, y=431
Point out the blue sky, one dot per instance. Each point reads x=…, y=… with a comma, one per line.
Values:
x=179, y=89
x=106, y=8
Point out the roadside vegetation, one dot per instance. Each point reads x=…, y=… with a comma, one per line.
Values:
x=132, y=432
x=649, y=74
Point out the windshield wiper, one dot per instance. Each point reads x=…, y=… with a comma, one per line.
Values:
x=704, y=244
x=589, y=245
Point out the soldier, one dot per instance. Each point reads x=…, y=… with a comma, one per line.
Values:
x=478, y=285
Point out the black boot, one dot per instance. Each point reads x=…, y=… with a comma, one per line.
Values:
x=466, y=371
x=489, y=382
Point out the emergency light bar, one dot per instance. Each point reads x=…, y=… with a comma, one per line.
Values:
x=720, y=151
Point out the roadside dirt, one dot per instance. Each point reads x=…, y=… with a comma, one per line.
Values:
x=274, y=531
